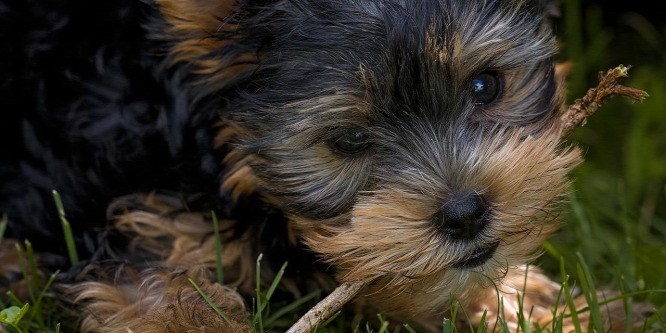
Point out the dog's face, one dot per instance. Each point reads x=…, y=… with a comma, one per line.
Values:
x=414, y=144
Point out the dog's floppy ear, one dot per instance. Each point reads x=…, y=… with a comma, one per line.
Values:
x=202, y=34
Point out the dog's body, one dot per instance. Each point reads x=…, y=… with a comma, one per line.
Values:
x=413, y=145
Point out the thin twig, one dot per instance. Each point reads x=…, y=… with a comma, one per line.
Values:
x=608, y=87
x=328, y=306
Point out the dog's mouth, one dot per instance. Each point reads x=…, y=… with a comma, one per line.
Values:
x=478, y=257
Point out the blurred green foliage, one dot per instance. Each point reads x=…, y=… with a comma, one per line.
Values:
x=617, y=213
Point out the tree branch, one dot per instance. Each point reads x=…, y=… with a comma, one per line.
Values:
x=329, y=305
x=608, y=86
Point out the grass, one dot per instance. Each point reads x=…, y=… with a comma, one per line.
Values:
x=616, y=221
x=39, y=313
x=66, y=229
x=615, y=233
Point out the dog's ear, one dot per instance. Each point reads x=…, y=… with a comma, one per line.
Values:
x=202, y=34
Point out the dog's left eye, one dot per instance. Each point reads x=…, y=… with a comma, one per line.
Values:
x=350, y=143
x=486, y=88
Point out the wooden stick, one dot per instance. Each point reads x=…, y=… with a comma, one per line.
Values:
x=328, y=306
x=608, y=87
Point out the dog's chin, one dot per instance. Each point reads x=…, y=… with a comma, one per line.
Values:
x=477, y=256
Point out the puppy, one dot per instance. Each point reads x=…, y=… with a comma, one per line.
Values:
x=414, y=145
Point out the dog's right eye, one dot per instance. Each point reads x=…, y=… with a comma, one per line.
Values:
x=350, y=143
x=486, y=88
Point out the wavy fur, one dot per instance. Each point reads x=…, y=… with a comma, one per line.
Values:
x=233, y=106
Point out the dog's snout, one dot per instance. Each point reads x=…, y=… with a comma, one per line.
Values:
x=463, y=217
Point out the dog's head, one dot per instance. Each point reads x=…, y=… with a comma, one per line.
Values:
x=411, y=143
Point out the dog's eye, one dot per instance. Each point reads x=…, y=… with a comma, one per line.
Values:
x=350, y=143
x=485, y=88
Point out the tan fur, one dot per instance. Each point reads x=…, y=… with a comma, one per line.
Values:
x=186, y=239
x=538, y=295
x=389, y=237
x=197, y=22
x=161, y=301
x=160, y=298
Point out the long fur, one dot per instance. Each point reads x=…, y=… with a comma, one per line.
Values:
x=174, y=108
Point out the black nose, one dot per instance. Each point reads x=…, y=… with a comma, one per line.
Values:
x=463, y=217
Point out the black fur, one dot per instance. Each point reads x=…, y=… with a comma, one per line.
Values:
x=370, y=62
x=90, y=109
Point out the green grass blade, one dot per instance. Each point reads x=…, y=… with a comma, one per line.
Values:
x=66, y=229
x=291, y=307
x=330, y=320
x=33, y=277
x=276, y=281
x=38, y=302
x=218, y=249
x=448, y=323
x=521, y=314
x=208, y=300
x=626, y=303
x=502, y=317
x=569, y=298
x=523, y=322
x=658, y=316
x=24, y=271
x=408, y=328
x=446, y=326
x=14, y=299
x=551, y=250
x=264, y=301
x=557, y=319
x=467, y=319
x=47, y=286
x=483, y=326
x=3, y=227
x=384, y=327
x=58, y=202
x=632, y=294
x=260, y=304
x=590, y=292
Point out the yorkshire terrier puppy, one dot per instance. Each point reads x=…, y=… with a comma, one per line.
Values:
x=415, y=145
